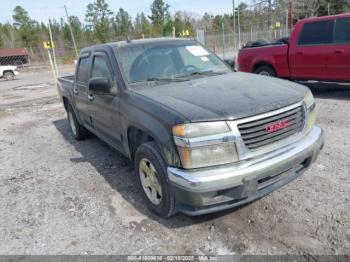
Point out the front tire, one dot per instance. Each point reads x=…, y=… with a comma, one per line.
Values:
x=151, y=171
x=9, y=76
x=265, y=71
x=79, y=132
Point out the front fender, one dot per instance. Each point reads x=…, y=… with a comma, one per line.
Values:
x=150, y=119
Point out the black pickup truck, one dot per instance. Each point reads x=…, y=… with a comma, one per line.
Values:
x=202, y=137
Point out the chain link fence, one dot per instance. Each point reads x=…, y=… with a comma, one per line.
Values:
x=226, y=44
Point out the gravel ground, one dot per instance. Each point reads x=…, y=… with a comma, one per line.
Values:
x=59, y=196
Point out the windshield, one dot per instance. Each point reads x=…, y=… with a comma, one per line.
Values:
x=167, y=61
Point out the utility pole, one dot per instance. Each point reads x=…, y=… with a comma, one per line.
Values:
x=71, y=32
x=53, y=49
x=54, y=76
x=239, y=29
x=234, y=23
x=269, y=14
x=292, y=6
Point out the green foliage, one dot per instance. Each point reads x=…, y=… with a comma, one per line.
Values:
x=159, y=13
x=122, y=23
x=335, y=7
x=27, y=29
x=142, y=26
x=99, y=17
x=182, y=22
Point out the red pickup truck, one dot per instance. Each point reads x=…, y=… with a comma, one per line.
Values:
x=318, y=49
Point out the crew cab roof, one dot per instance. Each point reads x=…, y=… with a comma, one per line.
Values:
x=137, y=41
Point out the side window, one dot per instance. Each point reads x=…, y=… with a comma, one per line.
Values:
x=316, y=33
x=342, y=31
x=100, y=68
x=83, y=69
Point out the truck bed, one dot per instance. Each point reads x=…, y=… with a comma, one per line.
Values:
x=65, y=85
x=275, y=55
x=66, y=79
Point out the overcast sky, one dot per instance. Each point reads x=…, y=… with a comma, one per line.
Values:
x=41, y=10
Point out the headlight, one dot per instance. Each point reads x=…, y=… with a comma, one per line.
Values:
x=205, y=144
x=309, y=99
x=310, y=110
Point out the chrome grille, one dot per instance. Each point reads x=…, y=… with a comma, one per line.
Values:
x=255, y=134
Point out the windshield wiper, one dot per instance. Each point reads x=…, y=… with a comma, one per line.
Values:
x=175, y=79
x=207, y=73
x=160, y=79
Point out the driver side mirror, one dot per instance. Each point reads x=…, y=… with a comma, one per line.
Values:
x=100, y=85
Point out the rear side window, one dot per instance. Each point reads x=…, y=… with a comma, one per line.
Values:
x=83, y=69
x=316, y=33
x=342, y=31
x=100, y=68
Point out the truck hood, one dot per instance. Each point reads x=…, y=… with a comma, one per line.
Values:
x=225, y=97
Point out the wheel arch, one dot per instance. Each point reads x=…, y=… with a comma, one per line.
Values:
x=8, y=71
x=263, y=63
x=136, y=137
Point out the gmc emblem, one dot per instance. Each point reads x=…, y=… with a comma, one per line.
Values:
x=277, y=126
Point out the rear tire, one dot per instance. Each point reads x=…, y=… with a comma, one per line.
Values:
x=265, y=71
x=151, y=171
x=79, y=132
x=9, y=76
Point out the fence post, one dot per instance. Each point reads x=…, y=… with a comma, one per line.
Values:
x=287, y=20
x=251, y=33
x=223, y=40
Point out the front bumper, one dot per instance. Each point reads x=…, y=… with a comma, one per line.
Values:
x=16, y=73
x=208, y=190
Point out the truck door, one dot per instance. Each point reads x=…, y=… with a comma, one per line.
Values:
x=104, y=108
x=338, y=53
x=308, y=55
x=80, y=88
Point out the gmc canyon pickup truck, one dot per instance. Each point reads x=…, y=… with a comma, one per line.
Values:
x=202, y=137
x=318, y=50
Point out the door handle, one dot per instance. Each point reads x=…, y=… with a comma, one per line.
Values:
x=300, y=53
x=339, y=51
x=75, y=90
x=91, y=97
